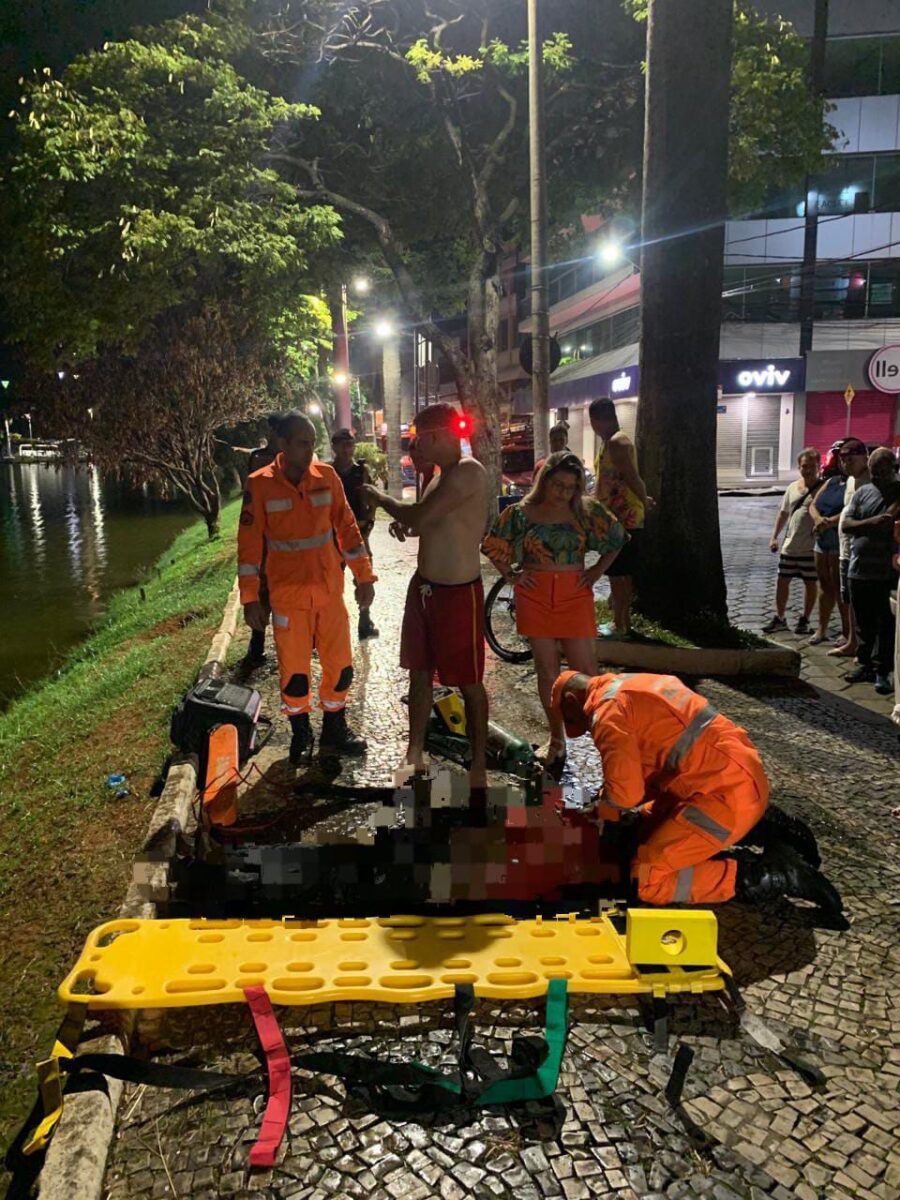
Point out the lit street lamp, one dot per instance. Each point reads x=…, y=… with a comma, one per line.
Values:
x=27, y=417
x=360, y=285
x=611, y=253
x=314, y=410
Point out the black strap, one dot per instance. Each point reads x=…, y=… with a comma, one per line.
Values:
x=684, y=1056
x=139, y=1070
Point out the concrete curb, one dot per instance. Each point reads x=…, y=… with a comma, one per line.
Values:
x=689, y=660
x=75, y=1165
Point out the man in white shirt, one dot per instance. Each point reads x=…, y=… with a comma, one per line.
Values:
x=855, y=463
x=796, y=560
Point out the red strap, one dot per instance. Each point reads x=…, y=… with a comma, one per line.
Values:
x=278, y=1063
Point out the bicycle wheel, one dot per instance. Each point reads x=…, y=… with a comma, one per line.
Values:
x=500, y=624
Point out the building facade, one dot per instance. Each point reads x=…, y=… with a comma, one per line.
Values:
x=771, y=402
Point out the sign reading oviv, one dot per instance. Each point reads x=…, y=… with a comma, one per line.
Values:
x=883, y=369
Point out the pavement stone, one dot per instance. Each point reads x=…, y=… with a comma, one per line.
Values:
x=750, y=1128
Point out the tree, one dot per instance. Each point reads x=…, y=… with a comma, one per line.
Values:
x=685, y=180
x=422, y=140
x=158, y=410
x=139, y=211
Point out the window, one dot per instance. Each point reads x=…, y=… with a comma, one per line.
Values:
x=863, y=66
x=849, y=183
x=843, y=292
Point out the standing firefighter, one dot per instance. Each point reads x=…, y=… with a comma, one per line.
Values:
x=700, y=785
x=298, y=508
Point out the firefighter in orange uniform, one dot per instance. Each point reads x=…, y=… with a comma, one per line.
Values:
x=298, y=506
x=700, y=786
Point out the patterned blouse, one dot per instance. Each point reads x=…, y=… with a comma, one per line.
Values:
x=514, y=539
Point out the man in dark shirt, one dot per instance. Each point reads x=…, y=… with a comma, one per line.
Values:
x=353, y=475
x=869, y=519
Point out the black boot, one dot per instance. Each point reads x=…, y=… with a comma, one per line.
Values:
x=778, y=828
x=782, y=872
x=337, y=738
x=256, y=651
x=365, y=628
x=301, y=741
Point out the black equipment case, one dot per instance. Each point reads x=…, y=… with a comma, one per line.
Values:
x=214, y=702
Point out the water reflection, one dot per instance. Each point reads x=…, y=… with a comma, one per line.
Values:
x=68, y=538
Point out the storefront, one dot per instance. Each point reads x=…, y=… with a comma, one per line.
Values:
x=847, y=395
x=755, y=418
x=571, y=399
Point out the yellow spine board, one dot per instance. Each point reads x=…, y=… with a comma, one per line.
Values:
x=402, y=959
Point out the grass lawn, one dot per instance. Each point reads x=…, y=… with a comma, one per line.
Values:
x=66, y=844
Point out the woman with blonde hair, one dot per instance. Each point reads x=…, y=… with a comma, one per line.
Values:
x=539, y=546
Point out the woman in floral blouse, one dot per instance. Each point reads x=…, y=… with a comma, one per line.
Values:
x=539, y=546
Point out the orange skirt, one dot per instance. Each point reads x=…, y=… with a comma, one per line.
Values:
x=556, y=607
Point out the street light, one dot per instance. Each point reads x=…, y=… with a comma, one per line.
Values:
x=360, y=285
x=314, y=410
x=27, y=417
x=341, y=378
x=610, y=253
x=384, y=328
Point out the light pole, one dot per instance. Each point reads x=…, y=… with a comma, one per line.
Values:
x=9, y=453
x=341, y=351
x=386, y=332
x=27, y=417
x=540, y=320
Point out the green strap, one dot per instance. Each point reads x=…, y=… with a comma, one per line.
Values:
x=543, y=1081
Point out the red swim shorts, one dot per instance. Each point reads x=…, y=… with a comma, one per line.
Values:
x=443, y=630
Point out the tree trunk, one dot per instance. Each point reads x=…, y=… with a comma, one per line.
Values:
x=390, y=366
x=480, y=394
x=685, y=169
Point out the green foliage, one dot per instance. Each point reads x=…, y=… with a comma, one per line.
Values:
x=778, y=131
x=138, y=185
x=427, y=61
x=374, y=459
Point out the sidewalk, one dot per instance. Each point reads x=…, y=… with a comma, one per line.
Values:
x=764, y=1134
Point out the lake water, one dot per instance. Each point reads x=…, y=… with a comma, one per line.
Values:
x=68, y=539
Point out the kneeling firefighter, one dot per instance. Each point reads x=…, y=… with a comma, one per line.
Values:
x=297, y=508
x=699, y=783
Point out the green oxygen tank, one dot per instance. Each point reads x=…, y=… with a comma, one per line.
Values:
x=507, y=752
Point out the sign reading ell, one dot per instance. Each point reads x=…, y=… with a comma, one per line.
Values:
x=883, y=369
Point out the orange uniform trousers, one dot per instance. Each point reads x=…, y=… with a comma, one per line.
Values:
x=680, y=835
x=296, y=634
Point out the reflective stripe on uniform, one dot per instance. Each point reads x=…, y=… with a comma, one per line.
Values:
x=683, y=885
x=334, y=705
x=704, y=821
x=610, y=691
x=687, y=739
x=293, y=710
x=321, y=498
x=310, y=543
x=280, y=620
x=284, y=505
x=355, y=552
x=247, y=569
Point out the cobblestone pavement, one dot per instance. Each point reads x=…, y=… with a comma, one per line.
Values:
x=750, y=1126
x=750, y=569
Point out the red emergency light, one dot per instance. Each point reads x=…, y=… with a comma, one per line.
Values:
x=462, y=425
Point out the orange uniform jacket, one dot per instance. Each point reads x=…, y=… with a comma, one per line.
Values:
x=306, y=529
x=661, y=742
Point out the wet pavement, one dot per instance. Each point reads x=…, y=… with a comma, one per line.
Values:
x=750, y=1126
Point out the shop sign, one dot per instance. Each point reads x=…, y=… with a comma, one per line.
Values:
x=622, y=385
x=780, y=375
x=883, y=369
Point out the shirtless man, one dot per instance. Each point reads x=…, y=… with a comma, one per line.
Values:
x=620, y=488
x=443, y=623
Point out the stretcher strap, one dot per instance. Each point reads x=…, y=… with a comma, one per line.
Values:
x=278, y=1064
x=51, y=1079
x=416, y=1087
